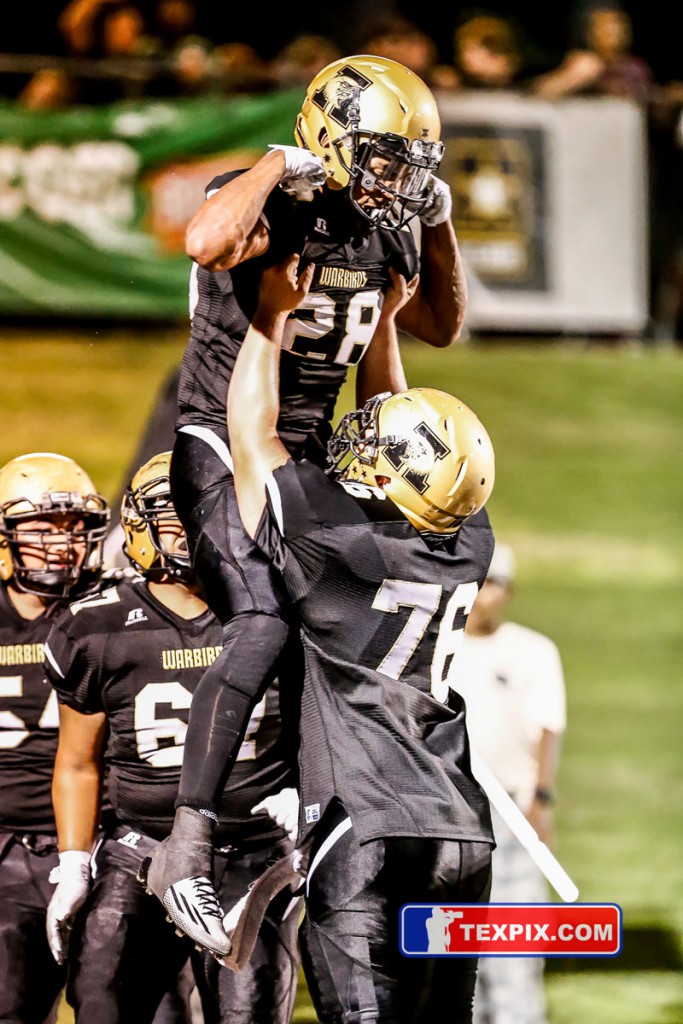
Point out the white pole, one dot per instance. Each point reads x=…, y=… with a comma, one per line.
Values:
x=527, y=835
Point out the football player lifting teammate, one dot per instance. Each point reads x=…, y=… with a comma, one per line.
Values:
x=384, y=556
x=358, y=198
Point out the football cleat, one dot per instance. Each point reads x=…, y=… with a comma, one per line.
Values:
x=178, y=874
x=192, y=906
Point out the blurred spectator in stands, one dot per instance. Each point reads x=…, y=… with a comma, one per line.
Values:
x=96, y=30
x=119, y=36
x=49, y=89
x=239, y=68
x=487, y=53
x=398, y=39
x=604, y=64
x=104, y=28
x=300, y=60
x=191, y=68
x=173, y=22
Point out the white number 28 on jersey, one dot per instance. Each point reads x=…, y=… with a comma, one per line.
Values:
x=424, y=599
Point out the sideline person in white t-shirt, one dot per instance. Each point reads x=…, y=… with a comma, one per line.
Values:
x=512, y=680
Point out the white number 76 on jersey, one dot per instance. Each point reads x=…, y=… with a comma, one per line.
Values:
x=424, y=599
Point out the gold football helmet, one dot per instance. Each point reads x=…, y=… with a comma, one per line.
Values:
x=377, y=129
x=63, y=555
x=425, y=449
x=147, y=505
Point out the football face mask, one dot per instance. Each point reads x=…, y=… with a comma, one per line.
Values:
x=52, y=527
x=376, y=127
x=425, y=450
x=155, y=542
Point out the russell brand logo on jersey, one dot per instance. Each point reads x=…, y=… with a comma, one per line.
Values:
x=510, y=929
x=135, y=615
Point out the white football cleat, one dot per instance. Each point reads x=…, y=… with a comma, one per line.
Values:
x=194, y=909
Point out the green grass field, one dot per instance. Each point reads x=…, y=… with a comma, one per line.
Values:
x=588, y=441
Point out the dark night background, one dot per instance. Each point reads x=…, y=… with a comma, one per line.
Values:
x=549, y=29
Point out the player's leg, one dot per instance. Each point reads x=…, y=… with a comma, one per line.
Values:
x=124, y=954
x=243, y=591
x=265, y=990
x=510, y=990
x=176, y=1005
x=349, y=936
x=25, y=956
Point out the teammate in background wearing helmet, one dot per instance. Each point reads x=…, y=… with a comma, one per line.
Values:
x=384, y=558
x=52, y=526
x=346, y=197
x=124, y=666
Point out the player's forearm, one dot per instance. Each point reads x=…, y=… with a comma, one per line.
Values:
x=381, y=368
x=76, y=796
x=225, y=230
x=437, y=312
x=253, y=395
x=253, y=409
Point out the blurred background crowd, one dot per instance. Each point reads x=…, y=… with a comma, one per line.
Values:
x=96, y=52
x=102, y=50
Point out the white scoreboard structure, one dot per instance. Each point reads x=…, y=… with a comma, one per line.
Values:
x=551, y=211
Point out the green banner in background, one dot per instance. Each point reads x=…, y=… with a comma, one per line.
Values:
x=94, y=201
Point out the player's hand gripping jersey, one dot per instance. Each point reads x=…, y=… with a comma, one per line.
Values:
x=381, y=728
x=145, y=686
x=329, y=332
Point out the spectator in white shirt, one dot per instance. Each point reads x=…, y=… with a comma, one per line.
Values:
x=512, y=680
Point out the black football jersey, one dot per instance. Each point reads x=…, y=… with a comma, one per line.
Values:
x=328, y=332
x=127, y=655
x=29, y=723
x=383, y=610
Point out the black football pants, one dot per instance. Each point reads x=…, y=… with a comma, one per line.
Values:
x=244, y=592
x=349, y=937
x=30, y=979
x=126, y=955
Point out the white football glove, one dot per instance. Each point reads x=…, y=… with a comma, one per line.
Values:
x=303, y=171
x=73, y=884
x=439, y=203
x=283, y=808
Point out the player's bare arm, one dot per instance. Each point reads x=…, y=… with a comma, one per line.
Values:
x=381, y=368
x=228, y=228
x=436, y=313
x=76, y=796
x=254, y=395
x=77, y=779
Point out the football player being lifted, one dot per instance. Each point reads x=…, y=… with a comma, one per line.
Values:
x=52, y=527
x=384, y=556
x=125, y=665
x=359, y=198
